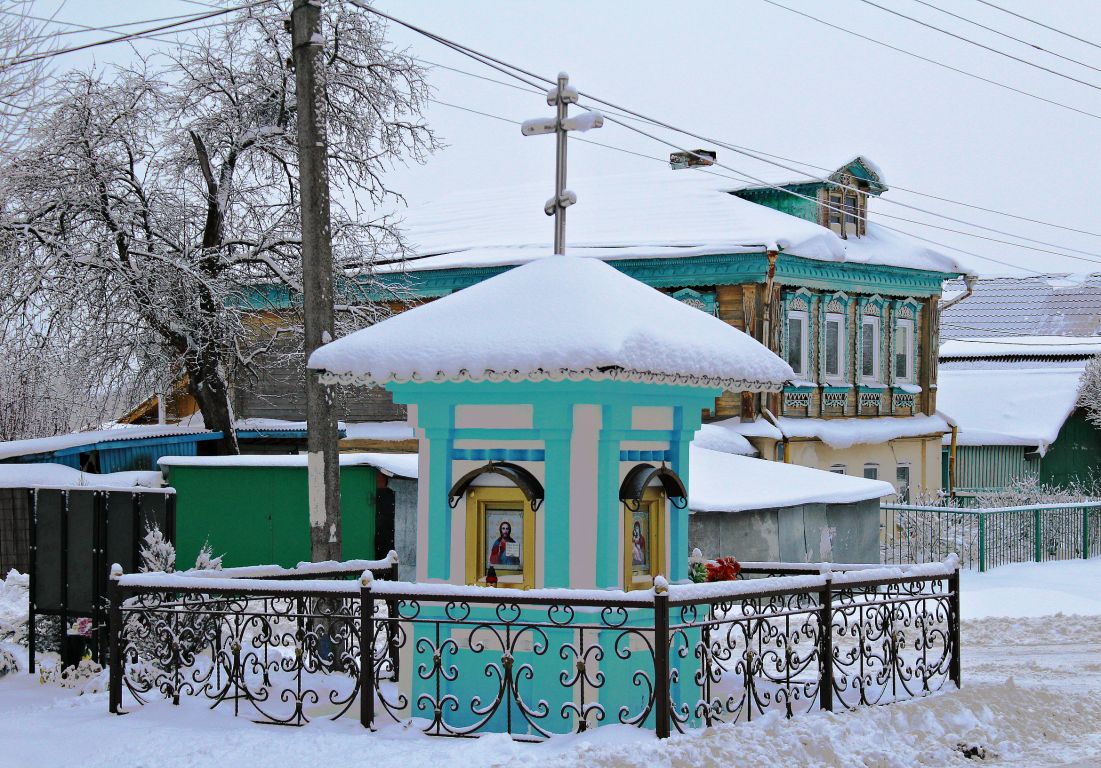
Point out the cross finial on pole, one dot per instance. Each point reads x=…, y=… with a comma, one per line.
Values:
x=561, y=96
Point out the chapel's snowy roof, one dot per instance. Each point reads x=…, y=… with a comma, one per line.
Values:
x=658, y=214
x=1073, y=347
x=845, y=433
x=555, y=318
x=1056, y=305
x=1019, y=406
x=13, y=448
x=725, y=482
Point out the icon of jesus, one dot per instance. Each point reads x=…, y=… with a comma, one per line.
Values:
x=502, y=553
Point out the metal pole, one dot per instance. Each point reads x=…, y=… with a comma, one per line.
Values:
x=114, y=627
x=366, y=654
x=661, y=664
x=317, y=269
x=560, y=167
x=954, y=671
x=825, y=645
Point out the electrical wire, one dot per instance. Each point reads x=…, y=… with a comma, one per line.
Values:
x=1008, y=36
x=132, y=35
x=511, y=70
x=935, y=62
x=735, y=148
x=985, y=47
x=1039, y=23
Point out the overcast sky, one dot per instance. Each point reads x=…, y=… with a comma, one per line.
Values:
x=755, y=75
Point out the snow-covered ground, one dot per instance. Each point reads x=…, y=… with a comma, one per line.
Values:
x=1031, y=697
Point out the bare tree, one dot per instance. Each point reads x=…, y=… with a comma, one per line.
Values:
x=22, y=38
x=161, y=204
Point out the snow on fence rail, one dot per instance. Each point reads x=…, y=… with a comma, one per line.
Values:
x=461, y=661
x=989, y=537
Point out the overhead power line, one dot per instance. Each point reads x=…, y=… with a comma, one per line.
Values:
x=823, y=169
x=985, y=47
x=511, y=70
x=1040, y=24
x=935, y=62
x=134, y=35
x=1008, y=36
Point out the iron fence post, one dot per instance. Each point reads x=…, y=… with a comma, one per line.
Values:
x=1037, y=535
x=366, y=652
x=1085, y=533
x=825, y=645
x=114, y=626
x=661, y=662
x=954, y=671
x=982, y=542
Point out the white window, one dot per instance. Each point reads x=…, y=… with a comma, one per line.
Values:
x=835, y=347
x=902, y=483
x=871, y=471
x=798, y=349
x=904, y=351
x=838, y=469
x=869, y=340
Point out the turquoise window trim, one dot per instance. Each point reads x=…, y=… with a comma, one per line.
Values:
x=872, y=387
x=799, y=300
x=704, y=301
x=847, y=370
x=794, y=389
x=838, y=388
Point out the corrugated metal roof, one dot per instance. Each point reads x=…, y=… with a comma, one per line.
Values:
x=1053, y=305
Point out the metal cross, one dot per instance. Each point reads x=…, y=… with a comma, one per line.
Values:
x=561, y=96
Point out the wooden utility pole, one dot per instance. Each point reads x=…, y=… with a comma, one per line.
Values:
x=307, y=43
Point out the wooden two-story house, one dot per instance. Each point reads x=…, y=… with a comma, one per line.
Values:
x=851, y=305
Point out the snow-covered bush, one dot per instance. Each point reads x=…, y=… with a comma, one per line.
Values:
x=1089, y=391
x=14, y=607
x=8, y=663
x=191, y=632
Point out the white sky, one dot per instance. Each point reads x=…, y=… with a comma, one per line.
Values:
x=761, y=77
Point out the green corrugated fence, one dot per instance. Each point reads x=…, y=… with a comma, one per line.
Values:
x=987, y=538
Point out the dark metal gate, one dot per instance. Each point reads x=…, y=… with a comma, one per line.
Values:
x=76, y=535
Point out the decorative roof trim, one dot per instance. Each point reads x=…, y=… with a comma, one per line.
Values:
x=561, y=374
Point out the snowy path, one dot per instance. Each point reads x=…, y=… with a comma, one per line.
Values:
x=1031, y=697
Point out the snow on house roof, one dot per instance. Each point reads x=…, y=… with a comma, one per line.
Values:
x=1021, y=406
x=658, y=214
x=1021, y=346
x=845, y=433
x=725, y=482
x=558, y=317
x=63, y=443
x=1057, y=305
x=394, y=464
x=46, y=475
x=389, y=431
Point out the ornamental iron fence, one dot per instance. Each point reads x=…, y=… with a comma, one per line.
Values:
x=461, y=661
x=988, y=537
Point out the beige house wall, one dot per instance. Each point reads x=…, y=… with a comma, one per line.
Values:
x=922, y=454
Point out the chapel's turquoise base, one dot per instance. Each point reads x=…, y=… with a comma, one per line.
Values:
x=544, y=691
